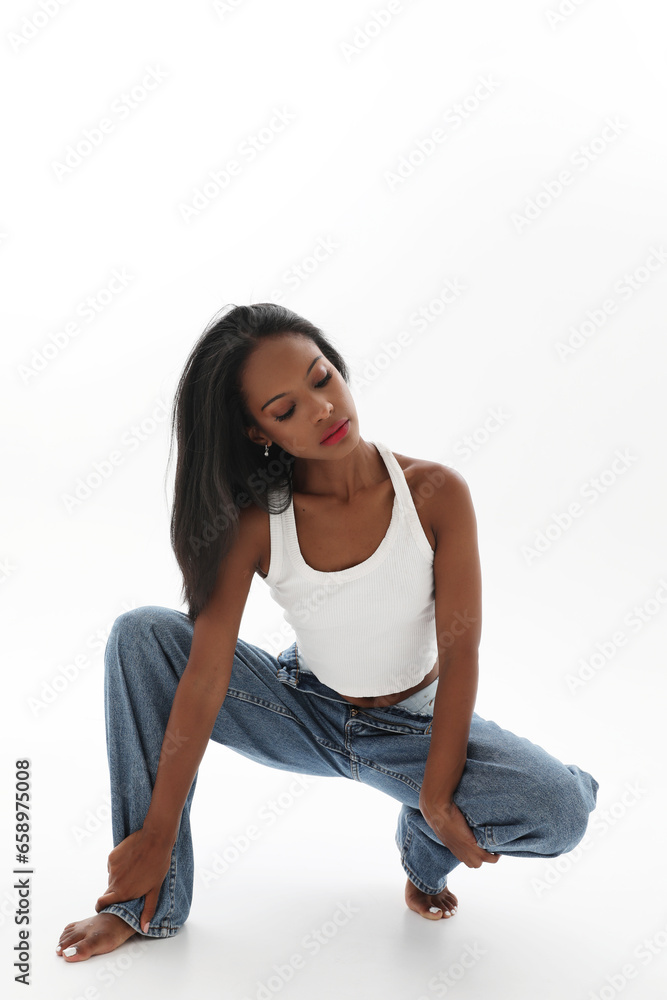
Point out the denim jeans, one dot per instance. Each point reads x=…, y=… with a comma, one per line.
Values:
x=515, y=796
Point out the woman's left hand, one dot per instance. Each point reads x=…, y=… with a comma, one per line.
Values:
x=448, y=822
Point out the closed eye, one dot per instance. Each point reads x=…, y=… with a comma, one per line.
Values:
x=318, y=385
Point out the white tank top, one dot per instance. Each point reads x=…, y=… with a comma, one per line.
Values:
x=367, y=630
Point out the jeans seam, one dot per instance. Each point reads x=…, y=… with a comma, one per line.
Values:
x=390, y=774
x=166, y=922
x=244, y=696
x=429, y=890
x=487, y=833
x=296, y=654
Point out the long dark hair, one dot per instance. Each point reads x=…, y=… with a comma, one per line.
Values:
x=219, y=469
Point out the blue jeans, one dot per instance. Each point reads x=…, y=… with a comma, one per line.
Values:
x=515, y=796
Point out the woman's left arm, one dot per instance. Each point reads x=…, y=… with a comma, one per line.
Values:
x=458, y=621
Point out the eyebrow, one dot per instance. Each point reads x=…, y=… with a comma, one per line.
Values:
x=306, y=376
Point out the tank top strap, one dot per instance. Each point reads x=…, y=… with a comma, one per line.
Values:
x=397, y=477
x=406, y=500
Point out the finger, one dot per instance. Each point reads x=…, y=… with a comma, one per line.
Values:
x=148, y=911
x=482, y=856
x=105, y=900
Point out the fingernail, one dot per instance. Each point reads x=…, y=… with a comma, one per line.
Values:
x=70, y=951
x=146, y=926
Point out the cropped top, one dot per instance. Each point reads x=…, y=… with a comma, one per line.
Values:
x=367, y=630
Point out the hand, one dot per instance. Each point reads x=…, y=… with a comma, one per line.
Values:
x=446, y=819
x=137, y=867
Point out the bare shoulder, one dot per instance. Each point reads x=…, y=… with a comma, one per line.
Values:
x=426, y=473
x=438, y=490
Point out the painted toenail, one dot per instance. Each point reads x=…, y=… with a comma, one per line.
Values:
x=434, y=909
x=448, y=913
x=70, y=951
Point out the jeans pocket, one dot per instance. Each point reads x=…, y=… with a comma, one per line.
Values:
x=400, y=720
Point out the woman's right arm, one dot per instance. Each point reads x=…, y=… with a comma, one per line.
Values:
x=138, y=864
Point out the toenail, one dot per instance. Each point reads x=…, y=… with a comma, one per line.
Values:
x=448, y=913
x=70, y=951
x=434, y=909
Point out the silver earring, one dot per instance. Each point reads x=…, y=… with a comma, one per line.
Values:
x=266, y=451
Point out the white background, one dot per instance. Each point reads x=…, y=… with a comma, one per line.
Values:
x=361, y=98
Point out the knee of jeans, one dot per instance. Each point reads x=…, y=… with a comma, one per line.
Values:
x=570, y=813
x=138, y=624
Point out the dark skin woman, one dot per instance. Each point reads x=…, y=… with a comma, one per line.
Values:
x=282, y=384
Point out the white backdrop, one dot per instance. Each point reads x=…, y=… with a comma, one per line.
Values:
x=470, y=201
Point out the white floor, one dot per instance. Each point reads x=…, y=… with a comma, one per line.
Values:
x=312, y=905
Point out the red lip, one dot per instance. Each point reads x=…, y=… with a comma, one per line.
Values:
x=332, y=430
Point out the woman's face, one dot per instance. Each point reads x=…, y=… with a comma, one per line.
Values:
x=296, y=395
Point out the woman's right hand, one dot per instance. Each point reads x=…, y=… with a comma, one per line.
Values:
x=137, y=867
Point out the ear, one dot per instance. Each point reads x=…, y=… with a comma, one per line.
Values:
x=254, y=435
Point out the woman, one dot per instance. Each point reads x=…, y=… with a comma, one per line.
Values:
x=374, y=558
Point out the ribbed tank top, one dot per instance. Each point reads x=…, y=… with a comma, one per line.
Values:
x=367, y=630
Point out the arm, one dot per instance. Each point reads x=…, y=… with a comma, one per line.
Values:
x=458, y=619
x=138, y=864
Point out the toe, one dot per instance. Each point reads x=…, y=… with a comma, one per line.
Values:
x=74, y=952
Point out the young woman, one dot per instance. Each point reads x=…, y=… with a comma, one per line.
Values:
x=373, y=557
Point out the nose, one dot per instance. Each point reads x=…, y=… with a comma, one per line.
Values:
x=324, y=411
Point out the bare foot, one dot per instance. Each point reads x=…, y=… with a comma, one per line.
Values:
x=445, y=902
x=94, y=936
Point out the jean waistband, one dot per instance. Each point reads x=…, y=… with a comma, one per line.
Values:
x=421, y=702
